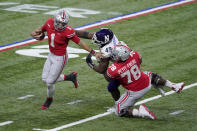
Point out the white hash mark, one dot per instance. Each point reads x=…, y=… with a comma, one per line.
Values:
x=74, y=102
x=24, y=97
x=6, y=123
x=177, y=112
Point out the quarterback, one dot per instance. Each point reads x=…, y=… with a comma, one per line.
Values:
x=59, y=33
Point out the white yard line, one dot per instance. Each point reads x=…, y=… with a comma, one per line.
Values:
x=110, y=111
x=167, y=93
x=37, y=129
x=116, y=19
x=25, y=97
x=74, y=102
x=6, y=123
x=106, y=22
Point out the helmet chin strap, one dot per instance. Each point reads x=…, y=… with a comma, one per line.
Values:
x=59, y=28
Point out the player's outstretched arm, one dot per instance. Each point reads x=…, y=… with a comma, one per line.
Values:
x=83, y=45
x=84, y=34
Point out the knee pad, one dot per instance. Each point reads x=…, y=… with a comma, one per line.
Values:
x=113, y=85
x=49, y=81
x=49, y=85
x=157, y=80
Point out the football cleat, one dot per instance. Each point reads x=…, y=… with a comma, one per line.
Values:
x=144, y=112
x=47, y=104
x=74, y=79
x=43, y=107
x=178, y=87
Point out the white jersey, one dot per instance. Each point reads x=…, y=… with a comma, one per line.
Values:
x=107, y=49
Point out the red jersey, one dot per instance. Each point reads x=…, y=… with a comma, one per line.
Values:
x=58, y=40
x=129, y=74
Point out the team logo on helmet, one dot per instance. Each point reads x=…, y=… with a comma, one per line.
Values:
x=102, y=37
x=61, y=19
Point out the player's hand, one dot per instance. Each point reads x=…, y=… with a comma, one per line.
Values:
x=38, y=34
x=89, y=61
x=99, y=55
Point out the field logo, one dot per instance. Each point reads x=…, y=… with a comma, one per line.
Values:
x=50, y=10
x=43, y=50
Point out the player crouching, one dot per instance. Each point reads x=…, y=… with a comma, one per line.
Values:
x=126, y=69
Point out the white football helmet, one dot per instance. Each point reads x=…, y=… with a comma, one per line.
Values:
x=120, y=53
x=61, y=19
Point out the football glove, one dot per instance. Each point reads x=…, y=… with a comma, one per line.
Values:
x=38, y=34
x=89, y=61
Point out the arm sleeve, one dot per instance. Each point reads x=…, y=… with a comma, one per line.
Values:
x=72, y=35
x=44, y=27
x=109, y=74
x=111, y=71
x=75, y=39
x=138, y=57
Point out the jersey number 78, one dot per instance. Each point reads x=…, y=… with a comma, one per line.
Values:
x=134, y=71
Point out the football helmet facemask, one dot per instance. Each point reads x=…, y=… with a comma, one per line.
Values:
x=61, y=19
x=120, y=53
x=102, y=37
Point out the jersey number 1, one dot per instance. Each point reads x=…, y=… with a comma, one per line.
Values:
x=52, y=40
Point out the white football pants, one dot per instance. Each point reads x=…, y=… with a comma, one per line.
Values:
x=52, y=70
x=129, y=98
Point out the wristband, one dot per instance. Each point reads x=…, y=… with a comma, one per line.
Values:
x=93, y=52
x=89, y=61
x=91, y=65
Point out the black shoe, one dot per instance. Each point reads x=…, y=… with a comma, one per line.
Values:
x=47, y=103
x=74, y=79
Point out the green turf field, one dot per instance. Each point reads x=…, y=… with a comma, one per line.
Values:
x=166, y=40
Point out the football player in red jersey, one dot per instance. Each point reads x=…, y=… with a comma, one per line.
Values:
x=59, y=33
x=126, y=69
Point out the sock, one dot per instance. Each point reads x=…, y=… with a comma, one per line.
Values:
x=135, y=112
x=48, y=102
x=60, y=78
x=50, y=91
x=68, y=77
x=49, y=98
x=169, y=83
